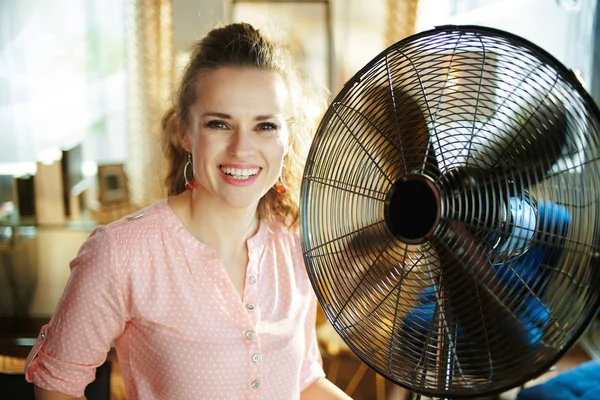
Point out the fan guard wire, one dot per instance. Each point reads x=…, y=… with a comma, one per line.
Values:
x=449, y=212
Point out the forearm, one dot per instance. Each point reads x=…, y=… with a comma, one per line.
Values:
x=43, y=394
x=323, y=389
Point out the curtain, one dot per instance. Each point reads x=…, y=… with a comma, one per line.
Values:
x=150, y=80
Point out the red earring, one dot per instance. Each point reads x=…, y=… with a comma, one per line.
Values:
x=281, y=189
x=280, y=186
x=189, y=185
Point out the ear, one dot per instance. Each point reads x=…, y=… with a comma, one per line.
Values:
x=184, y=140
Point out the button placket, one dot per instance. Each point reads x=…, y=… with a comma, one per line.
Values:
x=253, y=351
x=252, y=311
x=251, y=289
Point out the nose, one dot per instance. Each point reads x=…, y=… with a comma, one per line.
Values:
x=242, y=144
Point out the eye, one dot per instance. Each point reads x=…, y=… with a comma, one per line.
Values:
x=216, y=124
x=267, y=126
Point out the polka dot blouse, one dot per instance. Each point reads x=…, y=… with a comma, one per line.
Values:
x=179, y=326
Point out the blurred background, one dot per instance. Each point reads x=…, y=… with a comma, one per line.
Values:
x=83, y=84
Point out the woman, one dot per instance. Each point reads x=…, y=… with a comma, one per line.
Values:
x=204, y=294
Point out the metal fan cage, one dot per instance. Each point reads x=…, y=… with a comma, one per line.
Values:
x=449, y=212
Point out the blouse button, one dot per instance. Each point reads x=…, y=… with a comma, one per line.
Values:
x=42, y=335
x=250, y=307
x=249, y=335
x=255, y=384
x=256, y=357
x=252, y=279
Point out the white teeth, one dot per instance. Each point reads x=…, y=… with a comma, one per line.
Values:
x=241, y=174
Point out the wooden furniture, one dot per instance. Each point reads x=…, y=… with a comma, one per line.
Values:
x=14, y=386
x=349, y=373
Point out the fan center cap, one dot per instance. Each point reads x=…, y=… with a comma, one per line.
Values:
x=412, y=208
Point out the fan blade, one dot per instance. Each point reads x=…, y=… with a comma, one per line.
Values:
x=393, y=120
x=371, y=240
x=477, y=304
x=415, y=143
x=514, y=149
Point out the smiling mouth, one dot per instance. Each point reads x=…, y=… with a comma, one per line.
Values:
x=239, y=174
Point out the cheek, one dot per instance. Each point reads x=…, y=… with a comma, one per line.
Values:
x=279, y=151
x=206, y=149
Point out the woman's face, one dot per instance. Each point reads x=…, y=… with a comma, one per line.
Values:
x=238, y=134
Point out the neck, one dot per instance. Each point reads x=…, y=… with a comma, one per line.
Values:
x=225, y=228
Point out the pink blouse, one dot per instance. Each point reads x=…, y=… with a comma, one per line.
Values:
x=180, y=329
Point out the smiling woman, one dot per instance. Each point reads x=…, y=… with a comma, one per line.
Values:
x=205, y=293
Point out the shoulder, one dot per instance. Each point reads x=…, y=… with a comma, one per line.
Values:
x=280, y=231
x=132, y=238
x=142, y=224
x=287, y=243
x=134, y=232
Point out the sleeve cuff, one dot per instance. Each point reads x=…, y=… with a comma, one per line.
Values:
x=311, y=375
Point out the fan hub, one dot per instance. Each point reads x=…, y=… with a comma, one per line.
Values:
x=413, y=208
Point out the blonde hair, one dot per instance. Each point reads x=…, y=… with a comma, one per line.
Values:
x=241, y=45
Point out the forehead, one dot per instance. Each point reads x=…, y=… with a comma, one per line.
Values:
x=235, y=90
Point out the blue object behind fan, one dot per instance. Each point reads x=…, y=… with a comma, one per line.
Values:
x=522, y=273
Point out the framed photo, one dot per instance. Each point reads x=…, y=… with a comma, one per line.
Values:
x=112, y=184
x=302, y=26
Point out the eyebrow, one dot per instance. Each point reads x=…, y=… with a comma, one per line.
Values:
x=227, y=116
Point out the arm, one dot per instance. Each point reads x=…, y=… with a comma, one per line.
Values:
x=323, y=389
x=42, y=394
x=316, y=385
x=89, y=315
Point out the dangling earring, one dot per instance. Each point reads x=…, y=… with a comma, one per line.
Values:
x=189, y=185
x=280, y=186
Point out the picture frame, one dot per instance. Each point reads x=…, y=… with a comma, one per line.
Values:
x=112, y=184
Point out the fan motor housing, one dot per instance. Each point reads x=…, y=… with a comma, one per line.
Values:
x=413, y=208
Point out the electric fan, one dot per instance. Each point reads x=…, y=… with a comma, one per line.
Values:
x=449, y=212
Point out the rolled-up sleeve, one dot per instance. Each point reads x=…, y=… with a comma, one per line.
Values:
x=312, y=366
x=90, y=314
